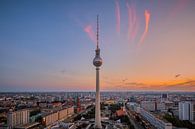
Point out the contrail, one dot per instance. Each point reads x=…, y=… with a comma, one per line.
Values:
x=89, y=30
x=147, y=20
x=118, y=17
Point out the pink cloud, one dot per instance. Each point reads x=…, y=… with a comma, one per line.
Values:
x=117, y=11
x=91, y=34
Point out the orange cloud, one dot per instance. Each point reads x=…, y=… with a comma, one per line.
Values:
x=147, y=20
x=124, y=84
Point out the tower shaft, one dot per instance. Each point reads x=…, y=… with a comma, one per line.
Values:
x=97, y=102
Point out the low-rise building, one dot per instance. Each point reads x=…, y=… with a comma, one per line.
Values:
x=160, y=106
x=109, y=102
x=120, y=112
x=148, y=105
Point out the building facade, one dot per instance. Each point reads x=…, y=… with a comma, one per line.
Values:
x=186, y=111
x=18, y=118
x=62, y=114
x=148, y=105
x=51, y=118
x=70, y=111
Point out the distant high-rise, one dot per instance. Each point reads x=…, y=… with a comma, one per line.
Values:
x=78, y=105
x=164, y=97
x=186, y=111
x=97, y=62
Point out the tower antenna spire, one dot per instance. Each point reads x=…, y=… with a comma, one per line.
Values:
x=97, y=31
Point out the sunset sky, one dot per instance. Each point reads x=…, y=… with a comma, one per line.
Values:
x=48, y=45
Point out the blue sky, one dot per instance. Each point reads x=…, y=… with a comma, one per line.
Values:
x=44, y=46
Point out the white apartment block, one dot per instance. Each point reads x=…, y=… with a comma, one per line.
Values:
x=186, y=111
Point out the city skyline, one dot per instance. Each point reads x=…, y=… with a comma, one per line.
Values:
x=49, y=46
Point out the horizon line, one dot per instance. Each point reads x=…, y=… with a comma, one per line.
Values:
x=168, y=91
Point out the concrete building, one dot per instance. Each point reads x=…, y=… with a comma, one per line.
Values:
x=148, y=105
x=164, y=97
x=109, y=102
x=156, y=122
x=186, y=111
x=62, y=114
x=70, y=110
x=194, y=111
x=153, y=106
x=168, y=105
x=50, y=119
x=160, y=106
x=18, y=118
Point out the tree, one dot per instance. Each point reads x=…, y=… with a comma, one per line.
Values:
x=179, y=123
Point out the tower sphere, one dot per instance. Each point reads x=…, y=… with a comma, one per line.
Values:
x=97, y=61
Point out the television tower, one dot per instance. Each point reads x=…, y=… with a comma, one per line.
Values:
x=97, y=62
